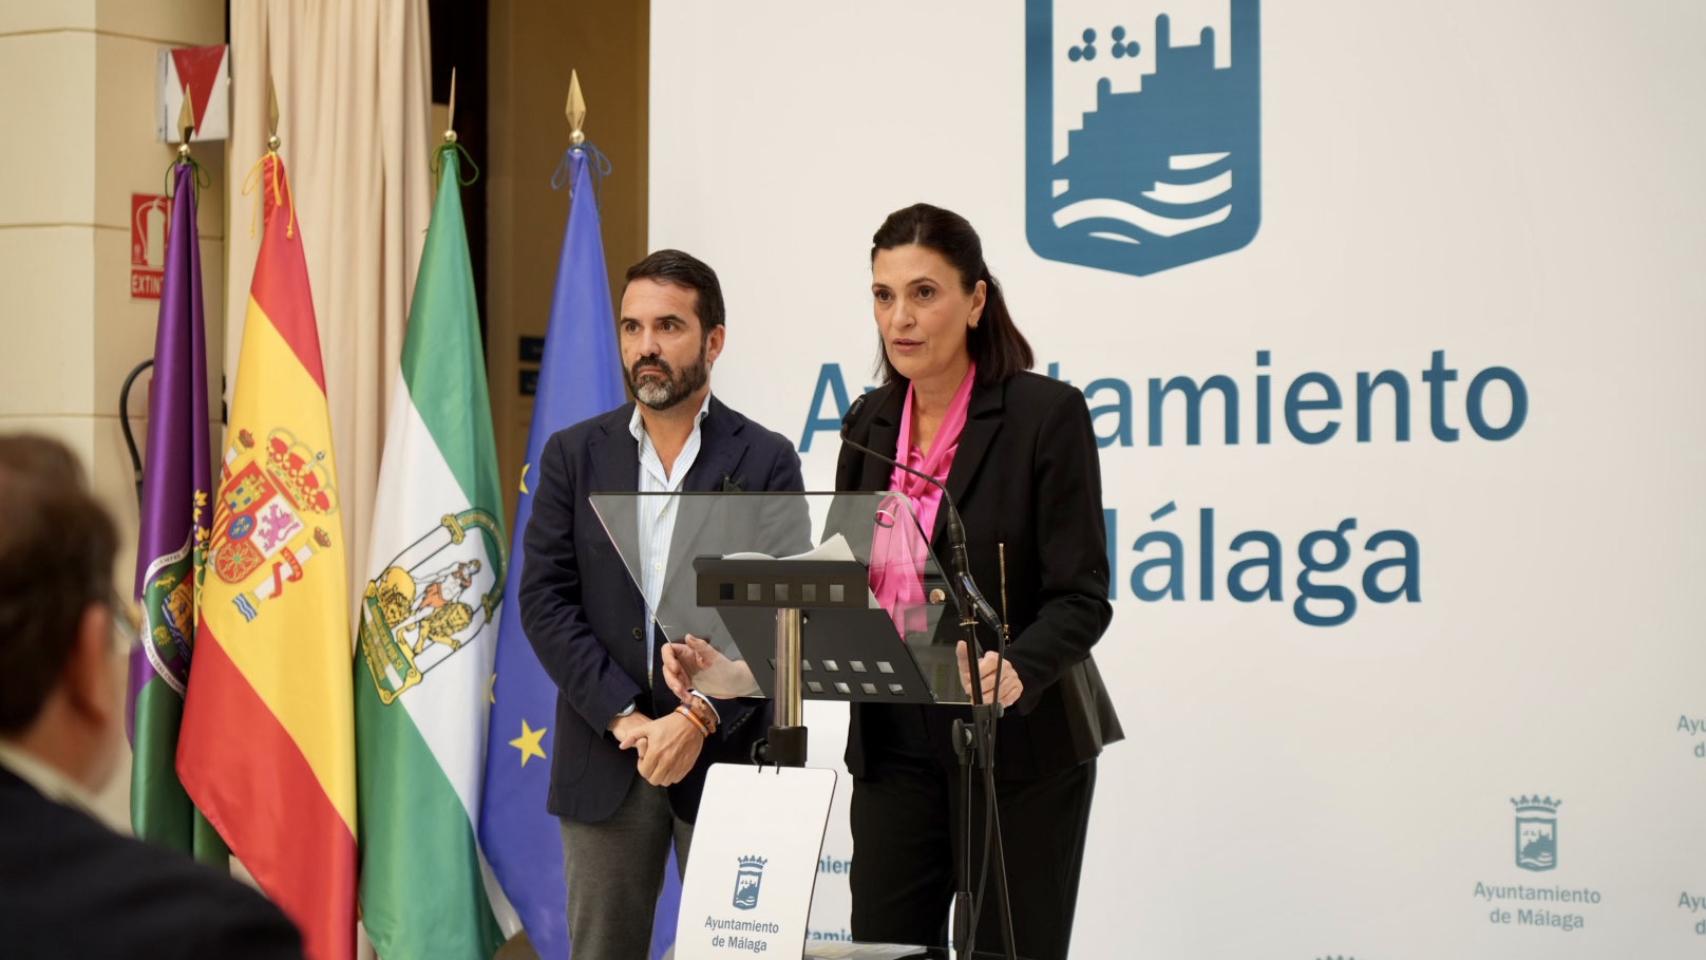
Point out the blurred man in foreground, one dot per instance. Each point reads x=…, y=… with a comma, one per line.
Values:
x=70, y=887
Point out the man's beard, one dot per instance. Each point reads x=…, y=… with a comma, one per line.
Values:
x=673, y=388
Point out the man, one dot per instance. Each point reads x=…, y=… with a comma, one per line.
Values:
x=630, y=756
x=69, y=887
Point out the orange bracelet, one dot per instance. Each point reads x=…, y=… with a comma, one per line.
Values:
x=703, y=710
x=688, y=713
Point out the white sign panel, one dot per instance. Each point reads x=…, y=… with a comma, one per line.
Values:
x=750, y=873
x=1391, y=318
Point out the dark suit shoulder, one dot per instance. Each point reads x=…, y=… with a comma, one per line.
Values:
x=868, y=406
x=60, y=869
x=1029, y=390
x=875, y=399
x=755, y=433
x=574, y=437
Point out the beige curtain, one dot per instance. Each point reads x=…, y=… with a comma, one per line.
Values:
x=354, y=95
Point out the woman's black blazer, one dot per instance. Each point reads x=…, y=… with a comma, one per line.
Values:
x=1026, y=475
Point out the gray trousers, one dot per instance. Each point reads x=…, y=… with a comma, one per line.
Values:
x=614, y=870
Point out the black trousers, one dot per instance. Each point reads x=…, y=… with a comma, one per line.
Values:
x=907, y=832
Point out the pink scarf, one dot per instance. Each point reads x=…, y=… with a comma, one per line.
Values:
x=899, y=550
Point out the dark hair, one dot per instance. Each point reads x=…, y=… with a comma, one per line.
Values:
x=684, y=270
x=995, y=344
x=56, y=559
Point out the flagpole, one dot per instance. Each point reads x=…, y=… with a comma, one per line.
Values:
x=450, y=117
x=273, y=142
x=186, y=127
x=172, y=494
x=579, y=377
x=439, y=521
x=206, y=843
x=272, y=656
x=575, y=110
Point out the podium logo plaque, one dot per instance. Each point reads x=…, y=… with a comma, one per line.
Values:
x=748, y=878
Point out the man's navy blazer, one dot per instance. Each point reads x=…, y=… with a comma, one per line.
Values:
x=587, y=620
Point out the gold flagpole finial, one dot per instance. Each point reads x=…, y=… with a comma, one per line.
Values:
x=186, y=125
x=272, y=116
x=575, y=109
x=450, y=121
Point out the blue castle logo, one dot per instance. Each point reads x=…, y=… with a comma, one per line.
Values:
x=749, y=876
x=1141, y=153
x=1536, y=832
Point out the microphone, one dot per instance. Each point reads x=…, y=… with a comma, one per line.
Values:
x=956, y=528
x=980, y=605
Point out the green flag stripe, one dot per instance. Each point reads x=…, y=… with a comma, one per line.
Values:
x=424, y=897
x=443, y=364
x=160, y=811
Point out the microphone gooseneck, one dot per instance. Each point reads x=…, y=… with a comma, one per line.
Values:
x=958, y=556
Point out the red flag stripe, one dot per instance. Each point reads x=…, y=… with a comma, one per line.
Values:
x=280, y=286
x=276, y=818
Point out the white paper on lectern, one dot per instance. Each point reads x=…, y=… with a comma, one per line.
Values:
x=835, y=548
x=748, y=889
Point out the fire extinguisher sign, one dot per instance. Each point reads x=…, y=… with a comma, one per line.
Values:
x=150, y=215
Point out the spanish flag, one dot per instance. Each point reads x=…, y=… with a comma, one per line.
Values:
x=267, y=749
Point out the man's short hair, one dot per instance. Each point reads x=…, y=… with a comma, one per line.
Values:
x=56, y=559
x=685, y=270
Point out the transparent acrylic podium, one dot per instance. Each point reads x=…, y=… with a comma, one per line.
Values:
x=822, y=596
x=808, y=596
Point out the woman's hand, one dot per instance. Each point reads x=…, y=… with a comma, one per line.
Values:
x=693, y=664
x=1012, y=688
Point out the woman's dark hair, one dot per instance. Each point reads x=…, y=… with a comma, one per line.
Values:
x=995, y=344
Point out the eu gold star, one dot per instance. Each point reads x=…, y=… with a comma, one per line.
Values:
x=528, y=743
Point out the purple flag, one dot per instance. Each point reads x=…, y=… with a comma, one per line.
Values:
x=176, y=513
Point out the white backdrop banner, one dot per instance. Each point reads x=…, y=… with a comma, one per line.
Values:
x=1390, y=316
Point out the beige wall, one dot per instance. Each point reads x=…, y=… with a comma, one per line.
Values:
x=78, y=78
x=533, y=47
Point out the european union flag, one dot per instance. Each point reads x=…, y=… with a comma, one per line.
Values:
x=579, y=377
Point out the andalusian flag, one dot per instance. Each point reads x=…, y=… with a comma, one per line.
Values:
x=429, y=621
x=267, y=749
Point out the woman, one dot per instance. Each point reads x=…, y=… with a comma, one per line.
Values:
x=1017, y=452
x=1018, y=455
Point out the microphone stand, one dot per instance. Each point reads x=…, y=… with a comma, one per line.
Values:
x=974, y=743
